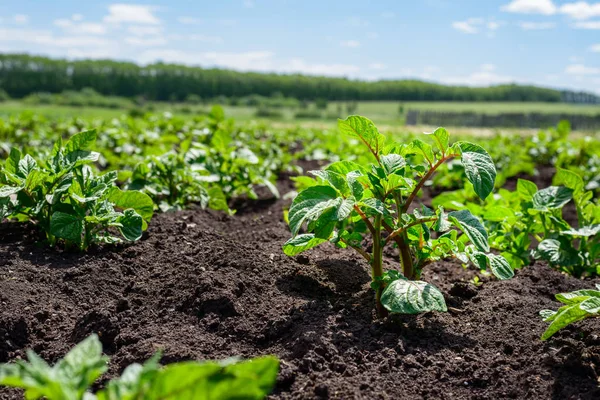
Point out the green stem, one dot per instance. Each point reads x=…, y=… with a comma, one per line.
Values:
x=408, y=269
x=377, y=266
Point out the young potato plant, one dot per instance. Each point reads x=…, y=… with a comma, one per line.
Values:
x=352, y=202
x=174, y=184
x=572, y=250
x=578, y=305
x=529, y=215
x=67, y=201
x=71, y=378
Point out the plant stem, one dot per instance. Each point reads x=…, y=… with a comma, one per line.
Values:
x=377, y=266
x=424, y=179
x=408, y=269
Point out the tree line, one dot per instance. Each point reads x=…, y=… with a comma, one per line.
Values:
x=22, y=74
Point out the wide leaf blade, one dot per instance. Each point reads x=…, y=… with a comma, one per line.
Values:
x=412, y=297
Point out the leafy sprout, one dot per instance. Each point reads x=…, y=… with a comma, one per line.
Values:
x=350, y=202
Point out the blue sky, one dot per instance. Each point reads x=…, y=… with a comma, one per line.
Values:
x=474, y=42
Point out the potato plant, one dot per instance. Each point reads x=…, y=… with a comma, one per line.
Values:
x=528, y=223
x=67, y=201
x=72, y=377
x=352, y=202
x=578, y=305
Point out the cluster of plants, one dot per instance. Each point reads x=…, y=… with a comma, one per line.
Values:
x=349, y=203
x=206, y=161
x=63, y=196
x=528, y=223
x=73, y=377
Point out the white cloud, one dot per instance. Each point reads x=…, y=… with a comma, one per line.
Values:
x=580, y=69
x=146, y=42
x=196, y=38
x=536, y=26
x=493, y=25
x=545, y=7
x=300, y=66
x=372, y=35
x=189, y=20
x=476, y=25
x=388, y=14
x=141, y=30
x=485, y=76
x=76, y=17
x=350, y=43
x=587, y=25
x=377, y=66
x=469, y=26
x=248, y=4
x=80, y=28
x=595, y=48
x=21, y=19
x=136, y=13
x=46, y=38
x=581, y=10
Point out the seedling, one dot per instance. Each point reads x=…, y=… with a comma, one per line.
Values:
x=72, y=377
x=352, y=202
x=66, y=201
x=578, y=305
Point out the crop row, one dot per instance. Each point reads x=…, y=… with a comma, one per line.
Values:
x=88, y=182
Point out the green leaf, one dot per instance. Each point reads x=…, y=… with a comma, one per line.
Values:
x=500, y=267
x=66, y=226
x=547, y=315
x=27, y=165
x=392, y=163
x=472, y=227
x=365, y=130
x=301, y=243
x=591, y=305
x=552, y=197
x=81, y=141
x=585, y=231
x=374, y=206
x=568, y=179
x=69, y=379
x=79, y=157
x=418, y=146
x=557, y=253
x=479, y=168
x=131, y=225
x=336, y=180
x=84, y=363
x=412, y=297
x=217, y=199
x=526, y=189
x=345, y=167
x=12, y=162
x=310, y=204
x=441, y=137
x=566, y=315
x=140, y=202
x=7, y=191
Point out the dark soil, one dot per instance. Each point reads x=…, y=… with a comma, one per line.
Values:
x=203, y=285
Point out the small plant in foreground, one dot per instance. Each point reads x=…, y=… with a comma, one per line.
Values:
x=578, y=305
x=64, y=198
x=352, y=201
x=72, y=377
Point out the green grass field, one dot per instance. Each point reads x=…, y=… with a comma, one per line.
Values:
x=386, y=113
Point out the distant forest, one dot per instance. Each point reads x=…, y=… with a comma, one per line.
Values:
x=21, y=75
